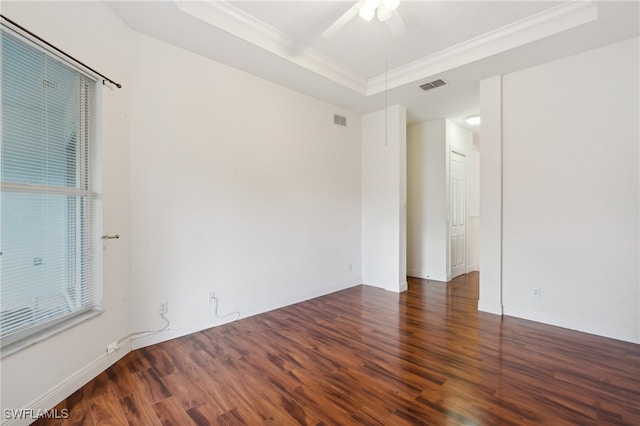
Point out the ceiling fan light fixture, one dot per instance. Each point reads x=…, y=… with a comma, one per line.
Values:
x=384, y=13
x=390, y=5
x=367, y=13
x=368, y=9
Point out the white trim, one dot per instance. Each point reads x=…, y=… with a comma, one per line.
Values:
x=235, y=21
x=398, y=288
x=91, y=370
x=458, y=151
x=544, y=24
x=51, y=51
x=46, y=330
x=573, y=323
x=419, y=273
x=474, y=267
x=69, y=385
x=490, y=307
x=200, y=324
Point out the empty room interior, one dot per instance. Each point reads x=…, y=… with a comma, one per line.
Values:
x=320, y=212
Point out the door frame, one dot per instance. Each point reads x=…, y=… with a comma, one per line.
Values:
x=453, y=150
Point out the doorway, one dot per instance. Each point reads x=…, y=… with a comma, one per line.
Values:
x=457, y=213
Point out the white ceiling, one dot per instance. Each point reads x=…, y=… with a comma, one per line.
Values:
x=362, y=68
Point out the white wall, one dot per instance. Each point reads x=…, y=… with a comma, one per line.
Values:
x=490, y=297
x=571, y=192
x=41, y=375
x=384, y=199
x=428, y=148
x=473, y=203
x=416, y=199
x=427, y=200
x=239, y=186
x=216, y=181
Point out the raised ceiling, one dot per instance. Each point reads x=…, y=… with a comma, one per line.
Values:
x=362, y=67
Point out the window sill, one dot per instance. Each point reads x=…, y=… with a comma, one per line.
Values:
x=14, y=347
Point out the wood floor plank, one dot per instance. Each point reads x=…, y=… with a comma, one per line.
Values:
x=367, y=356
x=158, y=359
x=134, y=362
x=121, y=380
x=248, y=393
x=57, y=416
x=235, y=417
x=150, y=386
x=171, y=413
x=79, y=409
x=97, y=387
x=137, y=410
x=184, y=391
x=215, y=389
x=205, y=415
x=107, y=411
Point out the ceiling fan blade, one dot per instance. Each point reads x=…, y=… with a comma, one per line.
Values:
x=396, y=25
x=343, y=20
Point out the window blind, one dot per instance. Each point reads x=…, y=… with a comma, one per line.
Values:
x=50, y=201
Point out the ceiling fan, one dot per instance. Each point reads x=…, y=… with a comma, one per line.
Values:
x=384, y=10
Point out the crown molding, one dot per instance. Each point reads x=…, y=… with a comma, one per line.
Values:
x=235, y=21
x=544, y=24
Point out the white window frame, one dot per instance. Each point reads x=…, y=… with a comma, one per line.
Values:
x=89, y=193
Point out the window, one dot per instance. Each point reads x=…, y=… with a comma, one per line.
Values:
x=50, y=208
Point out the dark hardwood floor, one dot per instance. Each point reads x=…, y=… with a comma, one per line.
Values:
x=367, y=356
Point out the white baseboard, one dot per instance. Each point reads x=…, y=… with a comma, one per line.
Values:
x=419, y=273
x=490, y=307
x=203, y=323
x=402, y=287
x=473, y=268
x=85, y=374
x=572, y=323
x=68, y=386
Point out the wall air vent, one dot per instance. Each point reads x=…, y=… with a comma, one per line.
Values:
x=433, y=84
x=339, y=120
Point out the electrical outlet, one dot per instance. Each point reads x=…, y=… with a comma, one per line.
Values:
x=164, y=307
x=112, y=347
x=536, y=292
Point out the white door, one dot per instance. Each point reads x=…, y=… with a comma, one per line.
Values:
x=457, y=214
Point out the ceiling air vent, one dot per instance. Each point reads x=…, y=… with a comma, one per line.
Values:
x=339, y=120
x=433, y=84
